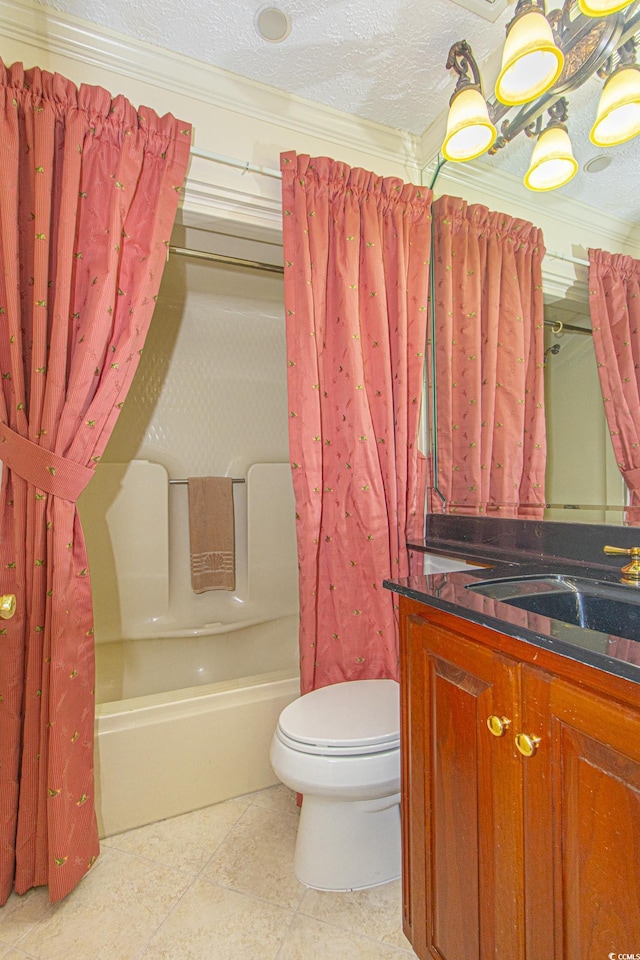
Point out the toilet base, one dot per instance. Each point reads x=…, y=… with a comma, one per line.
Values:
x=348, y=845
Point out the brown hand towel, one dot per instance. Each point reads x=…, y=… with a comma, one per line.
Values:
x=211, y=534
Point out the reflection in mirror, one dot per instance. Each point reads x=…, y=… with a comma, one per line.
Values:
x=582, y=480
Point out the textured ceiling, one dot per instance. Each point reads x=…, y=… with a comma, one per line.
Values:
x=378, y=59
x=382, y=60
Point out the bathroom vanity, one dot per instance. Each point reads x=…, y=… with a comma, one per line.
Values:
x=520, y=777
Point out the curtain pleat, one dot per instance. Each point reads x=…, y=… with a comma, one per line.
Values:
x=89, y=189
x=614, y=303
x=356, y=251
x=488, y=361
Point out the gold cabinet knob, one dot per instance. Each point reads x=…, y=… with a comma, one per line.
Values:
x=527, y=743
x=498, y=725
x=7, y=605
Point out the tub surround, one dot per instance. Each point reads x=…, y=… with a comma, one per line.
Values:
x=520, y=548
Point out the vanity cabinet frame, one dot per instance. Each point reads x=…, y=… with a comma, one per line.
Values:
x=506, y=856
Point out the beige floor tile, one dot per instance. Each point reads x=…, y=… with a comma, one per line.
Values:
x=310, y=939
x=280, y=799
x=256, y=857
x=21, y=913
x=211, y=923
x=111, y=914
x=184, y=842
x=13, y=954
x=375, y=913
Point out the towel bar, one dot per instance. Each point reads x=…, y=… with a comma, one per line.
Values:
x=233, y=480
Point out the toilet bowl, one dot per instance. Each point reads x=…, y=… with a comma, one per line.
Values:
x=339, y=747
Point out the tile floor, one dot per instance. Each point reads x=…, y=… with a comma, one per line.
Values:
x=216, y=884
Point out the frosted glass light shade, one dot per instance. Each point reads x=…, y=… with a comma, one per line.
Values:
x=531, y=61
x=602, y=8
x=470, y=132
x=552, y=161
x=618, y=118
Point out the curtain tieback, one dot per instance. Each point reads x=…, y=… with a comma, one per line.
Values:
x=45, y=470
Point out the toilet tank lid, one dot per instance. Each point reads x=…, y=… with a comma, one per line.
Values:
x=357, y=712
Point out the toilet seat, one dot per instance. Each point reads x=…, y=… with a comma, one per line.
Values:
x=345, y=719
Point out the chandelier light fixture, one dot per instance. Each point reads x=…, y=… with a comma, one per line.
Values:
x=545, y=58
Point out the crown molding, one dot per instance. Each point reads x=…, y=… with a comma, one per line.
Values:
x=78, y=39
x=202, y=200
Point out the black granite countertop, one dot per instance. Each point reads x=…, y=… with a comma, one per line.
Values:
x=449, y=592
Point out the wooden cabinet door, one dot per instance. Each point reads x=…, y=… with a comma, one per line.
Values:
x=462, y=798
x=582, y=822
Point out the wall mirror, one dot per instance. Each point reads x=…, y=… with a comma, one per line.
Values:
x=582, y=482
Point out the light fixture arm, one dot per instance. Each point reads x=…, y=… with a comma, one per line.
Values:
x=462, y=61
x=558, y=111
x=627, y=52
x=533, y=130
x=626, y=56
x=558, y=115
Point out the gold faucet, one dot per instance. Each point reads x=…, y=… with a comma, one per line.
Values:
x=7, y=605
x=631, y=571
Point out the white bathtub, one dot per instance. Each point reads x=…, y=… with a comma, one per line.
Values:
x=183, y=723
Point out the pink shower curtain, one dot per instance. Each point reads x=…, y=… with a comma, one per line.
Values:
x=88, y=193
x=614, y=301
x=489, y=350
x=356, y=249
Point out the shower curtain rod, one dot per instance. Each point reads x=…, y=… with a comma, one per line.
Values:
x=560, y=327
x=243, y=165
x=276, y=268
x=221, y=258
x=233, y=480
x=563, y=256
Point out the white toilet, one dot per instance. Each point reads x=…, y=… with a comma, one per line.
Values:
x=339, y=747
